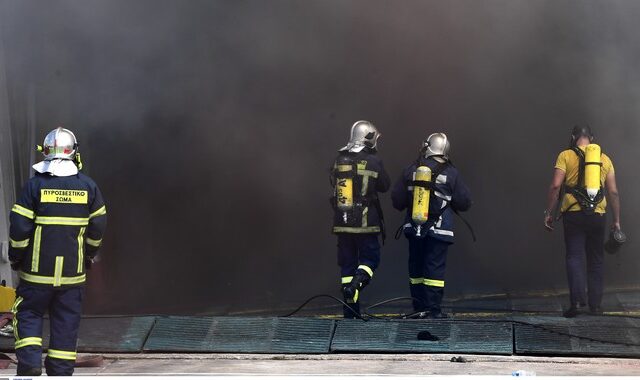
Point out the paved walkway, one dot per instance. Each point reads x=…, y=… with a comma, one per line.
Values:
x=347, y=364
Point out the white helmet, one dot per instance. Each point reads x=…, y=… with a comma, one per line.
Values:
x=437, y=144
x=60, y=143
x=363, y=135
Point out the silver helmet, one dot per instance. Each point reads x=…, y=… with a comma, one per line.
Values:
x=60, y=143
x=437, y=144
x=363, y=135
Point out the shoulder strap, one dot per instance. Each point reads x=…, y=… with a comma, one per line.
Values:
x=435, y=172
x=581, y=158
x=439, y=169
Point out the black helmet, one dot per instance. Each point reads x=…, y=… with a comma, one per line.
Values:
x=580, y=131
x=616, y=239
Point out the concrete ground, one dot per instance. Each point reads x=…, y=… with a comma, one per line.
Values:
x=353, y=364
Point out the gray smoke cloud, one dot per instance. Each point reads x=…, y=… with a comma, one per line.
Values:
x=210, y=126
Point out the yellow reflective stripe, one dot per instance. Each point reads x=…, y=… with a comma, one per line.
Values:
x=365, y=217
x=355, y=297
x=357, y=230
x=62, y=221
x=31, y=341
x=365, y=185
x=435, y=283
x=14, y=310
x=366, y=269
x=93, y=243
x=416, y=281
x=57, y=271
x=81, y=249
x=368, y=173
x=50, y=280
x=59, y=354
x=35, y=252
x=19, y=243
x=347, y=280
x=101, y=211
x=23, y=211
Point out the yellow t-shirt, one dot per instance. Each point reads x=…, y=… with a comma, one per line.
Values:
x=569, y=163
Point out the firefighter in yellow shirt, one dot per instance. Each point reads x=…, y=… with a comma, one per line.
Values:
x=589, y=181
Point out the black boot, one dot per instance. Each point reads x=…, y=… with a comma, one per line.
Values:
x=596, y=311
x=351, y=293
x=571, y=312
x=351, y=312
x=438, y=315
x=29, y=371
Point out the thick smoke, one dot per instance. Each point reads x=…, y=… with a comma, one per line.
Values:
x=210, y=125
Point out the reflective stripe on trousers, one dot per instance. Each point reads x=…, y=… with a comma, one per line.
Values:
x=60, y=354
x=427, y=282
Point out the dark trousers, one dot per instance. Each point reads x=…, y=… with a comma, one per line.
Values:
x=355, y=250
x=584, y=238
x=64, y=307
x=427, y=264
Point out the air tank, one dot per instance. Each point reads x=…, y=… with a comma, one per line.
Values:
x=421, y=195
x=344, y=189
x=592, y=168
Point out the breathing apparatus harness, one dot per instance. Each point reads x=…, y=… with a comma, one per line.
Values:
x=587, y=204
x=353, y=203
x=430, y=185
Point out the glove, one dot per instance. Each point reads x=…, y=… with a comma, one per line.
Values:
x=90, y=260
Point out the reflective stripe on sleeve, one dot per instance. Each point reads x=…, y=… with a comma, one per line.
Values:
x=347, y=279
x=416, y=281
x=23, y=211
x=101, y=211
x=93, y=243
x=19, y=243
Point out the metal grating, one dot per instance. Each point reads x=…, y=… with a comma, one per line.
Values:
x=547, y=341
x=532, y=335
x=401, y=336
x=241, y=335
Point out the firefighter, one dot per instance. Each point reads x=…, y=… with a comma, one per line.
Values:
x=586, y=175
x=431, y=190
x=56, y=230
x=357, y=177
